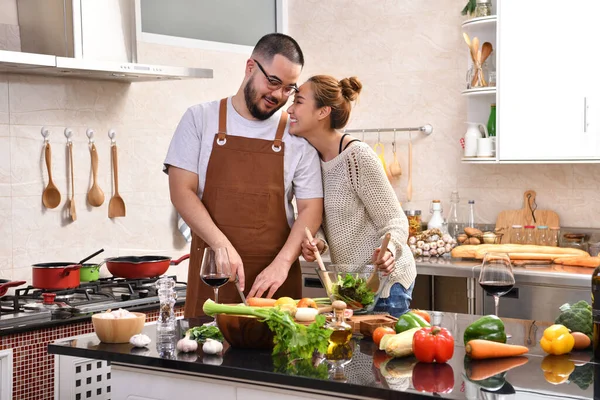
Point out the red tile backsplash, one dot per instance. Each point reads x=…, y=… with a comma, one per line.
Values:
x=33, y=367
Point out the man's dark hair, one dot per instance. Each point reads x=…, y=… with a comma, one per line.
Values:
x=277, y=43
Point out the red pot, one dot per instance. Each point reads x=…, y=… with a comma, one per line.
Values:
x=131, y=267
x=5, y=284
x=56, y=276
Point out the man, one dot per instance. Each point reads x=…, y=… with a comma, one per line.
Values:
x=233, y=171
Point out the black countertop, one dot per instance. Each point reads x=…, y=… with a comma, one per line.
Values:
x=366, y=374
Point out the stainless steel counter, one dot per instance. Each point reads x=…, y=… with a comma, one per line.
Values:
x=537, y=294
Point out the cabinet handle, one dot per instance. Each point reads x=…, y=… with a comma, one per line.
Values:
x=585, y=115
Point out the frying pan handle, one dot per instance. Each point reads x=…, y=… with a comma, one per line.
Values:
x=179, y=260
x=67, y=270
x=4, y=287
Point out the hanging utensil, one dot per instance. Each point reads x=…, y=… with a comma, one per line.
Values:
x=380, y=151
x=409, y=188
x=395, y=168
x=116, y=205
x=72, y=210
x=51, y=195
x=95, y=196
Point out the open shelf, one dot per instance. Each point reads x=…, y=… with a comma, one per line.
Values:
x=492, y=19
x=479, y=91
x=479, y=160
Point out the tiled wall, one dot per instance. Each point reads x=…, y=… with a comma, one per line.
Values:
x=409, y=54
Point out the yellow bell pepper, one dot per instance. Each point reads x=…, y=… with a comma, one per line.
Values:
x=557, y=340
x=557, y=369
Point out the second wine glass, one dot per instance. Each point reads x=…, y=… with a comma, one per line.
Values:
x=496, y=276
x=215, y=270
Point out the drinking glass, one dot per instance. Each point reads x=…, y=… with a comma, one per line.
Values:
x=215, y=270
x=496, y=276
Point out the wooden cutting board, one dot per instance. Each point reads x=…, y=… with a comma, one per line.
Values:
x=528, y=215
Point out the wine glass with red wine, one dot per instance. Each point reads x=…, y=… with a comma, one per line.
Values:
x=496, y=276
x=215, y=270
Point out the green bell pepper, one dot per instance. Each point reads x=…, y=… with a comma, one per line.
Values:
x=408, y=321
x=488, y=327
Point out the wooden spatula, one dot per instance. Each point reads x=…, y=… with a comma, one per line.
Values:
x=327, y=281
x=116, y=206
x=51, y=195
x=72, y=210
x=373, y=281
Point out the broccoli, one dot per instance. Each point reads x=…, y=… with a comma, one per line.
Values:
x=576, y=317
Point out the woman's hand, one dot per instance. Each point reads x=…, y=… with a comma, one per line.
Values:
x=387, y=262
x=309, y=248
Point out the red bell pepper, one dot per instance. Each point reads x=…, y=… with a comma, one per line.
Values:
x=433, y=378
x=433, y=344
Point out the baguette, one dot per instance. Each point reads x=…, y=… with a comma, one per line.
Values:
x=518, y=251
x=590, y=262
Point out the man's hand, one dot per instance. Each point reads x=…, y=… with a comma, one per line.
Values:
x=387, y=262
x=270, y=279
x=309, y=248
x=237, y=267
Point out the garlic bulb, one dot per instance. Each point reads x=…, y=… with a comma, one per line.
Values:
x=187, y=345
x=140, y=340
x=212, y=346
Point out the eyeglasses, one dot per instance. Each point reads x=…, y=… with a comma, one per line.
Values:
x=275, y=84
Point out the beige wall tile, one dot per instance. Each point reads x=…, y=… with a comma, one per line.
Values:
x=6, y=243
x=3, y=98
x=8, y=12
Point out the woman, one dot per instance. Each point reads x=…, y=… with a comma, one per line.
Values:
x=360, y=204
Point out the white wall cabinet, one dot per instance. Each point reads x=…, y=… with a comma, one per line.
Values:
x=6, y=374
x=545, y=91
x=547, y=96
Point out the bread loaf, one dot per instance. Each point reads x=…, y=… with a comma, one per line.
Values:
x=590, y=262
x=523, y=250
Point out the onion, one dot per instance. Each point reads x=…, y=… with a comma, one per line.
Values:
x=306, y=314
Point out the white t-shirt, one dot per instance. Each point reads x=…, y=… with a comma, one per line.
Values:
x=192, y=144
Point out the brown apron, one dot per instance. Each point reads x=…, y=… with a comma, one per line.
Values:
x=245, y=196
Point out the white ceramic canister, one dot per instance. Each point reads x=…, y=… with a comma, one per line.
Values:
x=473, y=133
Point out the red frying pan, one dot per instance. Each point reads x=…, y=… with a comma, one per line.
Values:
x=132, y=267
x=5, y=284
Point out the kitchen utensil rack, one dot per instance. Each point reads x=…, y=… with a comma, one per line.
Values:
x=425, y=129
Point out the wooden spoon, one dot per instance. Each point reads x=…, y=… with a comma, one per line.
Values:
x=373, y=281
x=327, y=283
x=72, y=210
x=395, y=168
x=409, y=188
x=468, y=41
x=474, y=47
x=116, y=205
x=486, y=50
x=51, y=195
x=95, y=196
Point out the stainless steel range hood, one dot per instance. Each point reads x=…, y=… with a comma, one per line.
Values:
x=84, y=39
x=42, y=64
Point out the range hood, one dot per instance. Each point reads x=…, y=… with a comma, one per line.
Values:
x=87, y=39
x=43, y=64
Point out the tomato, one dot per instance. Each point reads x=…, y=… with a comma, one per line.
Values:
x=433, y=344
x=423, y=314
x=381, y=332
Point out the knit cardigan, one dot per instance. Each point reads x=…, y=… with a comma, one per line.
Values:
x=360, y=208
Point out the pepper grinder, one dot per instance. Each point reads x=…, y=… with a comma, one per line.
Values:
x=165, y=324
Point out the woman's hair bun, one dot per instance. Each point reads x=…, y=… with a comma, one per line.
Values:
x=351, y=88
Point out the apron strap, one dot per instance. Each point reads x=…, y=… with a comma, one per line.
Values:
x=280, y=129
x=221, y=135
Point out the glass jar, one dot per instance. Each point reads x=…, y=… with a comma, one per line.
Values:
x=516, y=234
x=483, y=8
x=542, y=235
x=529, y=234
x=594, y=249
x=553, y=235
x=414, y=222
x=574, y=240
x=341, y=332
x=473, y=70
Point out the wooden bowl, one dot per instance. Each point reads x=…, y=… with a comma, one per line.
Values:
x=118, y=330
x=245, y=332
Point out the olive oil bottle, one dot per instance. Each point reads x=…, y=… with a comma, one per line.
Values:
x=339, y=347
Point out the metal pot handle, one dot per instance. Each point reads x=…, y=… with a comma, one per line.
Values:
x=70, y=268
x=179, y=260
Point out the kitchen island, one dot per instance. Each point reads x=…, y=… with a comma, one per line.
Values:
x=160, y=372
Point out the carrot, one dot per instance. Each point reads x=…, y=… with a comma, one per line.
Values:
x=479, y=349
x=260, y=302
x=478, y=370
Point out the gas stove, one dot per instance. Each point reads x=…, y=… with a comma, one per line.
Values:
x=29, y=304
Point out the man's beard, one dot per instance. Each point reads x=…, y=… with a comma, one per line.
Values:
x=252, y=104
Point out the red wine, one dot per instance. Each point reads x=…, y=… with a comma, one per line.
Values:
x=496, y=288
x=215, y=280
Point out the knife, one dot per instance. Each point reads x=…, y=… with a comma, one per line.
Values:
x=237, y=286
